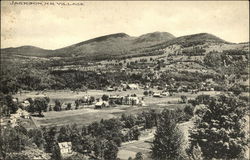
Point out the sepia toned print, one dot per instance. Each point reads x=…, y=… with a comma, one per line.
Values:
x=124, y=80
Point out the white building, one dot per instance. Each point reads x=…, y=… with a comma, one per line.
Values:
x=65, y=148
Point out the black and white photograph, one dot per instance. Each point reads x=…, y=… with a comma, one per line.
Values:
x=124, y=80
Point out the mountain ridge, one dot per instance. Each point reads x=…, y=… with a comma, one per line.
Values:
x=117, y=44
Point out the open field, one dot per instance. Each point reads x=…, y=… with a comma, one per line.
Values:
x=67, y=96
x=87, y=114
x=143, y=145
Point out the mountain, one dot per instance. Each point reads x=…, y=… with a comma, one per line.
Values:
x=113, y=45
x=199, y=38
x=26, y=51
x=191, y=40
x=154, y=37
x=116, y=45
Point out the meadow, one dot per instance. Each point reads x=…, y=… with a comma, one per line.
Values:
x=87, y=114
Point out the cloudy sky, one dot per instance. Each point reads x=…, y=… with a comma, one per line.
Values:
x=55, y=26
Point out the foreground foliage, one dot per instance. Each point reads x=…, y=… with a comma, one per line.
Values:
x=220, y=129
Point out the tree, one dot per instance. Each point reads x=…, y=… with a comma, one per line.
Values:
x=68, y=106
x=13, y=140
x=168, y=138
x=37, y=137
x=129, y=121
x=50, y=139
x=202, y=99
x=145, y=93
x=77, y=103
x=30, y=108
x=117, y=140
x=189, y=110
x=91, y=100
x=138, y=156
x=56, y=153
x=82, y=143
x=17, y=156
x=236, y=90
x=11, y=105
x=111, y=150
x=40, y=104
x=8, y=83
x=50, y=108
x=58, y=106
x=135, y=133
x=105, y=97
x=64, y=134
x=220, y=130
x=194, y=153
x=184, y=99
x=150, y=118
x=77, y=156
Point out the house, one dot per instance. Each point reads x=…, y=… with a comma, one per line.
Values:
x=165, y=93
x=123, y=69
x=65, y=148
x=130, y=100
x=101, y=104
x=19, y=114
x=132, y=86
x=182, y=89
x=115, y=99
x=211, y=89
x=110, y=89
x=13, y=121
x=142, y=103
x=2, y=122
x=25, y=104
x=25, y=115
x=15, y=100
x=84, y=99
x=194, y=91
x=158, y=95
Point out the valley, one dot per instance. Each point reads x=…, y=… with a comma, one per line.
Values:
x=117, y=91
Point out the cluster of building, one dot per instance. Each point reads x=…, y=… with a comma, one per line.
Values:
x=14, y=118
x=123, y=86
x=121, y=100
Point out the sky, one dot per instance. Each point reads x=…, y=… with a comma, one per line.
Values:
x=56, y=26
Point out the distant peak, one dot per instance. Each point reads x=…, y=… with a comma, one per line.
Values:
x=203, y=36
x=103, y=38
x=29, y=47
x=115, y=35
x=157, y=33
x=119, y=35
x=155, y=36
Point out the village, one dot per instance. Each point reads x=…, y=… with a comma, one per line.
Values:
x=124, y=80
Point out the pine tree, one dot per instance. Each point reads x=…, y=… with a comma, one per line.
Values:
x=50, y=139
x=168, y=138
